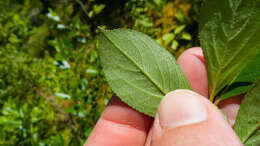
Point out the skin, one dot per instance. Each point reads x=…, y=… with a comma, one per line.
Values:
x=120, y=125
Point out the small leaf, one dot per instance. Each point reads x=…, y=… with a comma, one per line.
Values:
x=91, y=71
x=230, y=37
x=87, y=133
x=167, y=38
x=245, y=79
x=179, y=29
x=247, y=125
x=62, y=95
x=98, y=8
x=138, y=69
x=62, y=64
x=53, y=15
x=186, y=36
x=174, y=45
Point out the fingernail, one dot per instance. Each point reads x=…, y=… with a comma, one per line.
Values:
x=180, y=108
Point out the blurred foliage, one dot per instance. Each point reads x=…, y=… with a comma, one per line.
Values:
x=52, y=88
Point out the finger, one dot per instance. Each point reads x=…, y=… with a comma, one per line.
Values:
x=192, y=64
x=120, y=125
x=186, y=118
x=230, y=107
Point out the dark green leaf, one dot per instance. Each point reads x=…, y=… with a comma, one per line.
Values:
x=230, y=37
x=139, y=70
x=245, y=79
x=247, y=125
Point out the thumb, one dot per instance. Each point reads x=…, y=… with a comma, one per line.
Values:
x=186, y=118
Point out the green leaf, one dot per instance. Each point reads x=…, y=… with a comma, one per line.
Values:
x=62, y=95
x=98, y=8
x=230, y=37
x=179, y=29
x=186, y=36
x=138, y=69
x=174, y=45
x=168, y=37
x=254, y=139
x=245, y=79
x=91, y=71
x=247, y=125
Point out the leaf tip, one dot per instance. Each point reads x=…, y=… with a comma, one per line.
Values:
x=101, y=29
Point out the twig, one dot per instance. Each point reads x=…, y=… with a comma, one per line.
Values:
x=51, y=100
x=86, y=16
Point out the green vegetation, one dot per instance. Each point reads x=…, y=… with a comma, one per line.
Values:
x=229, y=34
x=247, y=123
x=141, y=72
x=52, y=88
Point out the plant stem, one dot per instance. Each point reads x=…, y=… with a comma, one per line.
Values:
x=86, y=16
x=217, y=101
x=211, y=98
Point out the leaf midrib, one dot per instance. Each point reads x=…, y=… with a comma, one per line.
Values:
x=221, y=64
x=130, y=84
x=159, y=88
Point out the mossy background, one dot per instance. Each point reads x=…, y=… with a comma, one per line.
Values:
x=52, y=88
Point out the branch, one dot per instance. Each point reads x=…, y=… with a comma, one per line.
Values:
x=52, y=101
x=86, y=16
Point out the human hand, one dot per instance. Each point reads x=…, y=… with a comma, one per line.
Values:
x=184, y=117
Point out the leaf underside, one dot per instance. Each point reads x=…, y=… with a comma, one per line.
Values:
x=230, y=37
x=138, y=69
x=247, y=125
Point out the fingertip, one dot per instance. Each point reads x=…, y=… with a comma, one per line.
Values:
x=181, y=107
x=187, y=118
x=192, y=64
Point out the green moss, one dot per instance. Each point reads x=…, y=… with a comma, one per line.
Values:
x=52, y=88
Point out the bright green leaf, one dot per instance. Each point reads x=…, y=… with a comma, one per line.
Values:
x=138, y=69
x=98, y=8
x=62, y=95
x=91, y=71
x=53, y=15
x=167, y=38
x=186, y=36
x=174, y=45
x=230, y=37
x=87, y=133
x=70, y=110
x=247, y=125
x=159, y=41
x=179, y=29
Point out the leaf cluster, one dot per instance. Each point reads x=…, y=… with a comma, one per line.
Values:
x=141, y=72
